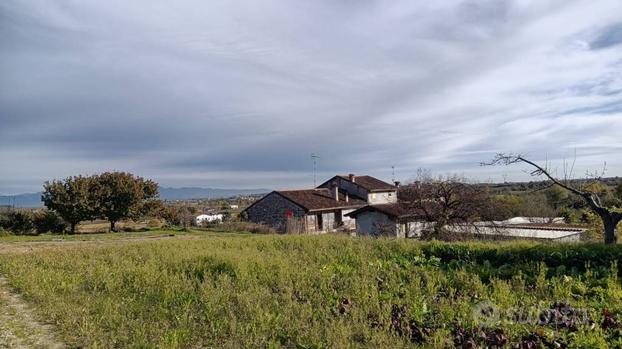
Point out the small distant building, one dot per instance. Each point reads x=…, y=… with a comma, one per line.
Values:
x=234, y=207
x=208, y=218
x=322, y=209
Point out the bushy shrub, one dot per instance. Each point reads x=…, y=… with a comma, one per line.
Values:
x=570, y=216
x=48, y=221
x=506, y=261
x=19, y=222
x=238, y=226
x=4, y=232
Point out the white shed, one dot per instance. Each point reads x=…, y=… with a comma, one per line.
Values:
x=208, y=218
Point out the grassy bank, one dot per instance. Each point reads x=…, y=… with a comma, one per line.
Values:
x=323, y=291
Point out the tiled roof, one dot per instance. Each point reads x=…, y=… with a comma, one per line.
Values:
x=319, y=199
x=371, y=184
x=395, y=210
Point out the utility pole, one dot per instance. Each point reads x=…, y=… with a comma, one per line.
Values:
x=314, y=158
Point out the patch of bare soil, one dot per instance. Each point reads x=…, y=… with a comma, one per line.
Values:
x=18, y=326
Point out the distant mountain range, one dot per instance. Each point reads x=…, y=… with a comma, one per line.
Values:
x=34, y=199
x=205, y=193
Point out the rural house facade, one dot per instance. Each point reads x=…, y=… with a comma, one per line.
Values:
x=387, y=219
x=321, y=209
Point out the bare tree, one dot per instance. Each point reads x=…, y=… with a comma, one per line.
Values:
x=448, y=202
x=610, y=216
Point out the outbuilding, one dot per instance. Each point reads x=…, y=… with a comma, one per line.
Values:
x=392, y=219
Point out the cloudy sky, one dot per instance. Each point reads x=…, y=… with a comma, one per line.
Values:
x=240, y=93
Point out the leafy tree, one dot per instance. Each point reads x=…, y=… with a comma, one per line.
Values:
x=152, y=208
x=71, y=198
x=570, y=216
x=556, y=197
x=172, y=215
x=618, y=191
x=121, y=195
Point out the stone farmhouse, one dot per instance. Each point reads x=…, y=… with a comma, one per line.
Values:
x=321, y=209
x=370, y=207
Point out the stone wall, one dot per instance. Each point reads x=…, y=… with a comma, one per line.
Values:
x=272, y=210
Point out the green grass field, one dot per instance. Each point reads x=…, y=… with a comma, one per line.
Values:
x=237, y=290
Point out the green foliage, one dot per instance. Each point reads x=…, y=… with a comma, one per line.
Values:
x=71, y=198
x=4, y=232
x=19, y=222
x=120, y=195
x=556, y=196
x=172, y=215
x=320, y=292
x=110, y=195
x=508, y=206
x=570, y=215
x=48, y=221
x=530, y=204
x=618, y=192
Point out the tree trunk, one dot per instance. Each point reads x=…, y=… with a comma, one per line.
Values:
x=611, y=236
x=112, y=227
x=72, y=227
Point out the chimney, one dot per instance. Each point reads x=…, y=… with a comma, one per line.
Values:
x=397, y=184
x=335, y=191
x=352, y=177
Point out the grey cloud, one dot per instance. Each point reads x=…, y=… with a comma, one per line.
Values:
x=240, y=93
x=610, y=36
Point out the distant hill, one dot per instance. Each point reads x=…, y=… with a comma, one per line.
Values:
x=205, y=193
x=34, y=199
x=22, y=200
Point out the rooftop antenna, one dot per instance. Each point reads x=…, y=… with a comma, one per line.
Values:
x=314, y=157
x=393, y=173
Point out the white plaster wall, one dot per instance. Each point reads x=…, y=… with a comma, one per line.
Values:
x=550, y=234
x=348, y=223
x=374, y=223
x=388, y=197
x=413, y=229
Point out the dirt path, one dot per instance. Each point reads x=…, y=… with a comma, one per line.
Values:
x=19, y=327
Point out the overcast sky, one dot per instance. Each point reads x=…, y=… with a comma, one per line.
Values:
x=238, y=94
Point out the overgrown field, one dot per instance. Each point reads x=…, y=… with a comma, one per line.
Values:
x=324, y=292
